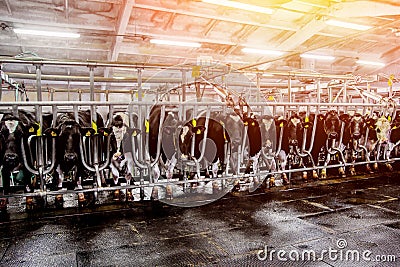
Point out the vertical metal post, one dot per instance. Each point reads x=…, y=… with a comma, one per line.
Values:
x=143, y=138
x=184, y=82
x=39, y=118
x=39, y=82
x=290, y=89
x=258, y=86
x=345, y=91
x=139, y=80
x=318, y=95
x=93, y=119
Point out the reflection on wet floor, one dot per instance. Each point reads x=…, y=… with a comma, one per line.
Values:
x=365, y=213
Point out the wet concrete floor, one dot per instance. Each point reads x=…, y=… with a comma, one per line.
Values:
x=352, y=223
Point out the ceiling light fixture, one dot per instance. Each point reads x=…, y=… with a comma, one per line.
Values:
x=240, y=5
x=319, y=57
x=347, y=25
x=47, y=33
x=175, y=43
x=262, y=51
x=372, y=63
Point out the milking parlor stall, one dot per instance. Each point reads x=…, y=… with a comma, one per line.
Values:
x=245, y=125
x=187, y=135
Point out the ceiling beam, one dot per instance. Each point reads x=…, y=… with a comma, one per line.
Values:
x=8, y=6
x=122, y=24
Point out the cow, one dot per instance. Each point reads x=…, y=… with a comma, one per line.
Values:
x=13, y=130
x=293, y=139
x=122, y=163
x=215, y=141
x=380, y=145
x=353, y=138
x=68, y=133
x=273, y=157
x=327, y=141
x=166, y=152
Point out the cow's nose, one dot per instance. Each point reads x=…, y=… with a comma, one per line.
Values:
x=70, y=156
x=356, y=135
x=293, y=142
x=10, y=156
x=333, y=135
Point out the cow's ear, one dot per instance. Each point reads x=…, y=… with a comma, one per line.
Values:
x=52, y=132
x=345, y=118
x=32, y=129
x=135, y=131
x=105, y=131
x=280, y=122
x=370, y=122
x=307, y=124
x=87, y=131
x=199, y=129
x=321, y=117
x=395, y=124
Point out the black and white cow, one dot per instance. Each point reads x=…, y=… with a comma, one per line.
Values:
x=327, y=144
x=13, y=130
x=354, y=139
x=68, y=134
x=379, y=143
x=122, y=163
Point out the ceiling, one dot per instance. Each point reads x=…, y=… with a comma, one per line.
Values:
x=121, y=30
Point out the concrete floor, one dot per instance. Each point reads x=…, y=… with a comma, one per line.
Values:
x=358, y=215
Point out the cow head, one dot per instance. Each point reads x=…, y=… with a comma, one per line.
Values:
x=294, y=127
x=12, y=131
x=383, y=129
x=68, y=134
x=331, y=124
x=186, y=135
x=356, y=124
x=268, y=130
x=119, y=128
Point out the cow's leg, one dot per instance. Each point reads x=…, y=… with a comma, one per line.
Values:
x=60, y=177
x=156, y=176
x=282, y=159
x=6, y=188
x=323, y=171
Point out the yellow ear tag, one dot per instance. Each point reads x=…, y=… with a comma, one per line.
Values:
x=389, y=118
x=147, y=125
x=105, y=133
x=246, y=123
x=253, y=123
x=198, y=131
x=53, y=133
x=394, y=127
x=194, y=122
x=134, y=133
x=281, y=125
x=88, y=133
x=31, y=130
x=271, y=98
x=306, y=119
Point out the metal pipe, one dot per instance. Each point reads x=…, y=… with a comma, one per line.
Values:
x=150, y=103
x=290, y=89
x=136, y=65
x=184, y=81
x=139, y=81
